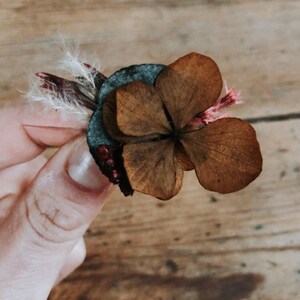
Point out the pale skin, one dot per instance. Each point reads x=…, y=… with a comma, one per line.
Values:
x=45, y=206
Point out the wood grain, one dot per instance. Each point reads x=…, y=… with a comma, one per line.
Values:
x=199, y=245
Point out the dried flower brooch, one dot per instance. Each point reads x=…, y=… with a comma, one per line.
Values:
x=148, y=123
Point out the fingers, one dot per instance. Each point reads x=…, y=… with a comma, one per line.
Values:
x=51, y=216
x=73, y=261
x=14, y=180
x=27, y=130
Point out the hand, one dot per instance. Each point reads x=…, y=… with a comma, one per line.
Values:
x=45, y=206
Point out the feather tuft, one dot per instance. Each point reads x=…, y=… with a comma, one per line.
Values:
x=73, y=62
x=76, y=97
x=62, y=102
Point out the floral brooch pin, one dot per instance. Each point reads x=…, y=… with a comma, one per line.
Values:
x=147, y=124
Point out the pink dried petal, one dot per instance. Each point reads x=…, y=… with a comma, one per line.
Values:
x=213, y=113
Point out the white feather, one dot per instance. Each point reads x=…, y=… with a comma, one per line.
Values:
x=53, y=101
x=72, y=61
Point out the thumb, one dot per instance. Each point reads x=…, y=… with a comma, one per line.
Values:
x=64, y=198
x=54, y=212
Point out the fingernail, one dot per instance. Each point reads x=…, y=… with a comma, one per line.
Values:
x=83, y=170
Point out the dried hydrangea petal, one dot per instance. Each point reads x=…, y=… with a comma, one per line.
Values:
x=110, y=119
x=140, y=110
x=189, y=86
x=225, y=153
x=152, y=169
x=183, y=158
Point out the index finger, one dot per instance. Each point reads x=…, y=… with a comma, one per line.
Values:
x=27, y=130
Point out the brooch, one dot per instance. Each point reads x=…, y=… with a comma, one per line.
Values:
x=147, y=124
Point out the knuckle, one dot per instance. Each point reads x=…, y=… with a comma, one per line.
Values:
x=52, y=219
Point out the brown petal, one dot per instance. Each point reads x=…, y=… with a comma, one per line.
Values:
x=183, y=158
x=110, y=121
x=225, y=153
x=189, y=86
x=152, y=169
x=140, y=110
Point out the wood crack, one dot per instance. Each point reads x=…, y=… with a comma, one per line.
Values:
x=274, y=118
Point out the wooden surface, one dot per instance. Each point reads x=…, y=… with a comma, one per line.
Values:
x=200, y=245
